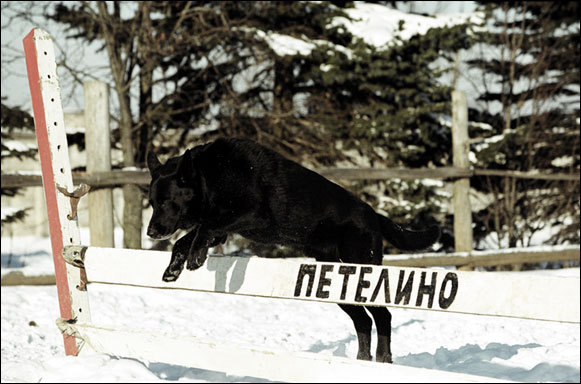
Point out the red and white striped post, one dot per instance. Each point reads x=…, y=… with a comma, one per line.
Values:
x=56, y=172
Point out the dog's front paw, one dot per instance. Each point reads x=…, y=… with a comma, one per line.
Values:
x=196, y=259
x=171, y=274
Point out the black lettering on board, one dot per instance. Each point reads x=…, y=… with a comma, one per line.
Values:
x=424, y=289
x=445, y=302
x=404, y=292
x=362, y=283
x=324, y=282
x=305, y=270
x=383, y=278
x=346, y=270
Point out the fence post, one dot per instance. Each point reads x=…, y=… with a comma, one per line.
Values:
x=53, y=152
x=460, y=150
x=98, y=149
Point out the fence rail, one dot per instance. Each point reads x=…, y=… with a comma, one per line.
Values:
x=487, y=258
x=141, y=177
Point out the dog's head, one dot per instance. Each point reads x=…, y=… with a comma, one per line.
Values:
x=171, y=194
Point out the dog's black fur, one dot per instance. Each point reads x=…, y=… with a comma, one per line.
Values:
x=238, y=186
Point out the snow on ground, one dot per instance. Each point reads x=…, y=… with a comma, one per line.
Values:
x=32, y=350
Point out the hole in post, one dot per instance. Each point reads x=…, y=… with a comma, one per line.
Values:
x=58, y=147
x=55, y=124
x=80, y=310
x=45, y=52
x=52, y=99
x=62, y=170
x=71, y=239
x=49, y=76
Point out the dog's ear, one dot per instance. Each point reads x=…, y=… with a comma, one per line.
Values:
x=153, y=162
x=185, y=169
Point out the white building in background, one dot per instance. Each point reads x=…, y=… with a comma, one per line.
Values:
x=36, y=221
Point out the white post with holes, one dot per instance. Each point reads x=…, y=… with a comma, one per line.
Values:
x=56, y=174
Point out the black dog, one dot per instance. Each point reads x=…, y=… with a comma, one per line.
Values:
x=237, y=186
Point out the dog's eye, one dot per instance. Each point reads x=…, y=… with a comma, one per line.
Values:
x=169, y=205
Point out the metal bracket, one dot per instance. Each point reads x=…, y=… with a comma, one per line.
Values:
x=75, y=196
x=75, y=255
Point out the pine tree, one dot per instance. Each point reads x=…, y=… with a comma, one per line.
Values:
x=382, y=105
x=386, y=106
x=533, y=76
x=15, y=119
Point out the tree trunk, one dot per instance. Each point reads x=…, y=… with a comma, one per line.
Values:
x=283, y=96
x=145, y=37
x=131, y=194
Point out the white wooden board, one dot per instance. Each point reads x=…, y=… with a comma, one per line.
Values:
x=254, y=362
x=482, y=293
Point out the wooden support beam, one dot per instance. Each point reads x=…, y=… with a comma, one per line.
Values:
x=486, y=258
x=117, y=178
x=393, y=173
x=461, y=197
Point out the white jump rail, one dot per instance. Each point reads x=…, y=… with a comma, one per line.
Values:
x=465, y=292
x=478, y=293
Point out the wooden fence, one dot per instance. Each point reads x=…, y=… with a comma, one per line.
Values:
x=117, y=178
x=471, y=259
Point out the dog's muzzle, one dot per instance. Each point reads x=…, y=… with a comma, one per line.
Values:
x=154, y=234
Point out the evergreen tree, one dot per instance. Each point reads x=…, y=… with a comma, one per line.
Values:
x=531, y=98
x=385, y=105
x=270, y=109
x=13, y=120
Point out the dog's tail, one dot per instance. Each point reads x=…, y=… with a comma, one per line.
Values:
x=405, y=239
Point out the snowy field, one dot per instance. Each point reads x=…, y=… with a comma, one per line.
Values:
x=32, y=348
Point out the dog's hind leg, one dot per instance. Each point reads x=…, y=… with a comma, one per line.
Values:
x=362, y=323
x=382, y=318
x=361, y=246
x=179, y=254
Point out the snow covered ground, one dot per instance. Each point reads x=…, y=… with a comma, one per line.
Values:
x=32, y=350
